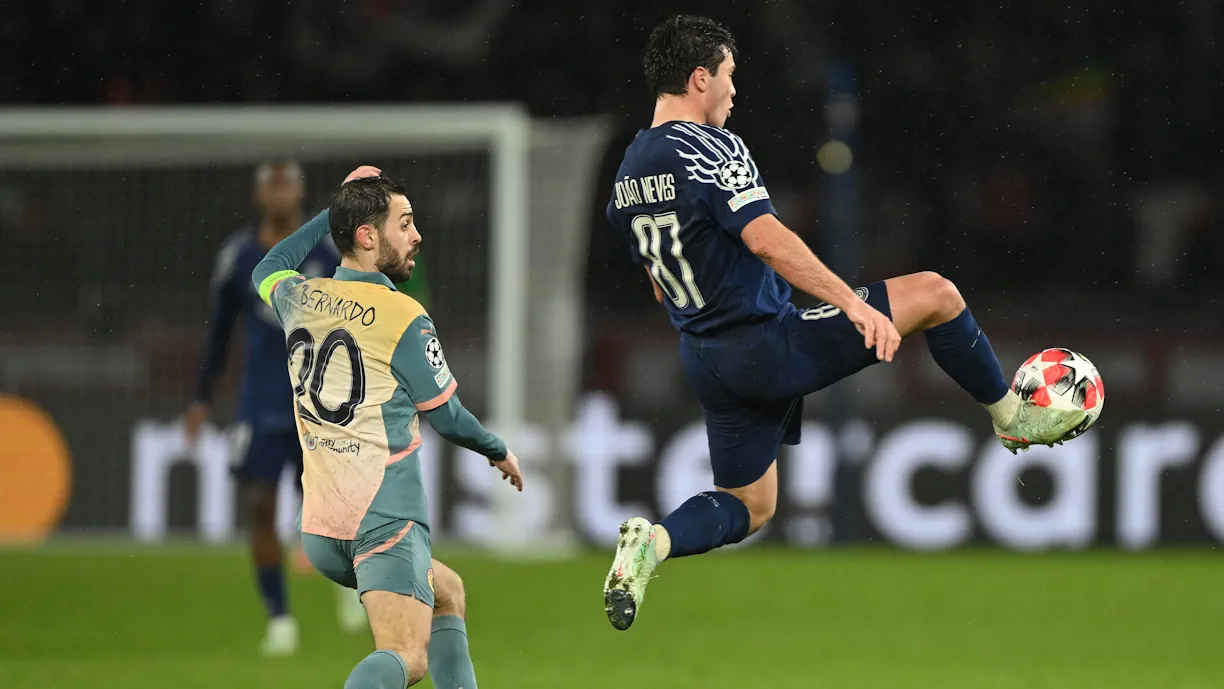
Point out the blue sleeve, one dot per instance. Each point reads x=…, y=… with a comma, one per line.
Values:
x=729, y=181
x=226, y=305
x=284, y=258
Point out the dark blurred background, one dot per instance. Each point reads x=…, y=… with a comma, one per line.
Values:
x=1018, y=146
x=1058, y=163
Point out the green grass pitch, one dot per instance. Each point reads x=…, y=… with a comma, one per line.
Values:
x=188, y=618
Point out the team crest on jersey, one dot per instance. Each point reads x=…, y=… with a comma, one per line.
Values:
x=433, y=353
x=723, y=161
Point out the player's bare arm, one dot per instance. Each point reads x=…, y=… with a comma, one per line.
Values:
x=791, y=258
x=789, y=255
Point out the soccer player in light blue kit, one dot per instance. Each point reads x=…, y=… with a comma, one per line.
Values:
x=694, y=209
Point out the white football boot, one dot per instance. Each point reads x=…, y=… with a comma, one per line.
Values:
x=635, y=562
x=1039, y=425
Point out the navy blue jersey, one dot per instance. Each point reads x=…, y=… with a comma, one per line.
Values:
x=683, y=195
x=266, y=397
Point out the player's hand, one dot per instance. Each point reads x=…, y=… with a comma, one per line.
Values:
x=363, y=171
x=510, y=470
x=195, y=417
x=878, y=330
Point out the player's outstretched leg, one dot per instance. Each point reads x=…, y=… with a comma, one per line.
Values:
x=704, y=522
x=450, y=661
x=281, y=638
x=400, y=625
x=932, y=304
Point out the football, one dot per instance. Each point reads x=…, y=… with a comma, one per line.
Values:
x=1062, y=379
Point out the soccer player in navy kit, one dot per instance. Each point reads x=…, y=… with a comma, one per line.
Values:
x=265, y=439
x=695, y=211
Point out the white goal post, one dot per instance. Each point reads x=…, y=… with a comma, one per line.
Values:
x=538, y=177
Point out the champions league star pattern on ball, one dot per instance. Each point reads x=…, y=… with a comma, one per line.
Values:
x=1061, y=378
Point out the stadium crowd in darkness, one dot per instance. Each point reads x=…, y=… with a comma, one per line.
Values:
x=1013, y=147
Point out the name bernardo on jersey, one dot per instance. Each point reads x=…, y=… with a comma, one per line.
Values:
x=643, y=190
x=338, y=307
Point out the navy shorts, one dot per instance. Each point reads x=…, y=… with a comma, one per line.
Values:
x=751, y=380
x=260, y=455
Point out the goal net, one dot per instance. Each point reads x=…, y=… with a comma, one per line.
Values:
x=113, y=217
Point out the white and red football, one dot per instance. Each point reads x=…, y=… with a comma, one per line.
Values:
x=1062, y=379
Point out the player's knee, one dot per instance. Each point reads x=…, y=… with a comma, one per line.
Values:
x=418, y=665
x=416, y=657
x=760, y=514
x=761, y=506
x=449, y=596
x=945, y=299
x=413, y=651
x=760, y=497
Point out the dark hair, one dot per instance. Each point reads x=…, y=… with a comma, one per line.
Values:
x=363, y=201
x=680, y=45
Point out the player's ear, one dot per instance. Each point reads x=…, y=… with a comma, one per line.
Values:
x=364, y=237
x=700, y=79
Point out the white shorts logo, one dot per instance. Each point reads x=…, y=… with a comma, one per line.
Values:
x=826, y=310
x=746, y=197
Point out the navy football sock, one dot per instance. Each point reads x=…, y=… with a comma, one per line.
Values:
x=272, y=588
x=705, y=522
x=962, y=350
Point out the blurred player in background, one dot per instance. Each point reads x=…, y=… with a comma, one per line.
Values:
x=694, y=208
x=368, y=365
x=265, y=437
